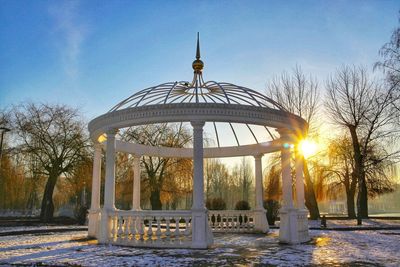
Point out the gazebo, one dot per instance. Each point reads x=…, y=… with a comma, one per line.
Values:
x=197, y=102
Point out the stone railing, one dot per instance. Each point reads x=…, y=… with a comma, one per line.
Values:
x=150, y=228
x=231, y=220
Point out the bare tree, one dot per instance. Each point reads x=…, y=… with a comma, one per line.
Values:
x=272, y=184
x=341, y=171
x=363, y=107
x=54, y=135
x=299, y=95
x=390, y=53
x=156, y=168
x=390, y=65
x=216, y=175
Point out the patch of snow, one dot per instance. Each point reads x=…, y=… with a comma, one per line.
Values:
x=326, y=248
x=4, y=229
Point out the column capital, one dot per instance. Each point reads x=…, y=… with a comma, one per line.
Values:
x=285, y=133
x=111, y=131
x=258, y=156
x=197, y=124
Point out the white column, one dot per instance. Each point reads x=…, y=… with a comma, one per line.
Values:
x=286, y=176
x=260, y=216
x=293, y=226
x=136, y=183
x=259, y=182
x=201, y=232
x=109, y=189
x=299, y=179
x=288, y=227
x=95, y=201
x=198, y=175
x=302, y=212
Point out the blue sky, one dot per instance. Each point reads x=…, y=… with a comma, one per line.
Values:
x=93, y=54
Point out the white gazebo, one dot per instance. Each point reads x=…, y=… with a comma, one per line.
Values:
x=197, y=102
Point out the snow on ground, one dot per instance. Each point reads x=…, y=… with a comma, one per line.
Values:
x=366, y=223
x=4, y=229
x=327, y=248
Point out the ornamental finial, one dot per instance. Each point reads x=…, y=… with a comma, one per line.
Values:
x=198, y=64
x=198, y=46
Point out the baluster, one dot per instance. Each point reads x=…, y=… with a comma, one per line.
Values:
x=228, y=220
x=150, y=229
x=140, y=227
x=219, y=221
x=177, y=232
x=244, y=224
x=187, y=230
x=226, y=215
x=158, y=232
x=167, y=230
x=247, y=221
x=126, y=228
x=133, y=228
x=241, y=221
x=224, y=222
x=113, y=230
x=119, y=229
x=235, y=222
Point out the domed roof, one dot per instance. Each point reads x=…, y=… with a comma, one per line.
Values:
x=225, y=108
x=197, y=91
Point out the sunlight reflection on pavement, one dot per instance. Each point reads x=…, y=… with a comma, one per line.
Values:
x=372, y=248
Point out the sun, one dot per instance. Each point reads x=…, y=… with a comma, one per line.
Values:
x=308, y=148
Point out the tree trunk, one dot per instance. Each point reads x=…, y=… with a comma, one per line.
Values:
x=310, y=199
x=47, y=209
x=362, y=196
x=155, y=199
x=351, y=212
x=350, y=183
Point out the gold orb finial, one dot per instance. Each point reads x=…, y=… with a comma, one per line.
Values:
x=198, y=65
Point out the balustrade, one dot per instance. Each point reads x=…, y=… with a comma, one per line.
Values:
x=150, y=228
x=231, y=220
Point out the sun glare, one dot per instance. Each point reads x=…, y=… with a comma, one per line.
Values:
x=308, y=148
x=102, y=138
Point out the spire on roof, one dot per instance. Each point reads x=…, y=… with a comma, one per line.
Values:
x=198, y=47
x=198, y=64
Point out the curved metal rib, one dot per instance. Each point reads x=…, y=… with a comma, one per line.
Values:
x=255, y=138
x=234, y=133
x=216, y=133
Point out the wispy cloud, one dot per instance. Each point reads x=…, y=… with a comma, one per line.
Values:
x=70, y=34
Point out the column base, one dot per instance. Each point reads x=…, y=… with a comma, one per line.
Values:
x=104, y=227
x=202, y=236
x=302, y=220
x=260, y=221
x=293, y=227
x=94, y=223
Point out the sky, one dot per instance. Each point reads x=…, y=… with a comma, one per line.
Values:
x=93, y=54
